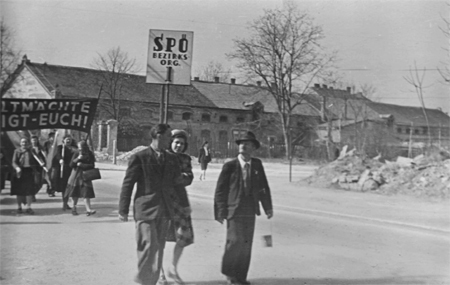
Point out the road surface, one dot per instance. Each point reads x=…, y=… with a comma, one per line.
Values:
x=320, y=236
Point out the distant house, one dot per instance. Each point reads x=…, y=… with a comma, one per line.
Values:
x=358, y=122
x=209, y=111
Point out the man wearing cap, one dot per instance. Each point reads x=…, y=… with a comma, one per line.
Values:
x=241, y=186
x=155, y=171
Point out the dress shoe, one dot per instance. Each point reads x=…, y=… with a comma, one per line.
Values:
x=174, y=275
x=162, y=280
x=66, y=207
x=89, y=213
x=29, y=211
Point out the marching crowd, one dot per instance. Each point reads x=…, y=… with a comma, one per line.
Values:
x=59, y=167
x=162, y=212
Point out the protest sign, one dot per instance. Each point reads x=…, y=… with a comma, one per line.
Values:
x=33, y=114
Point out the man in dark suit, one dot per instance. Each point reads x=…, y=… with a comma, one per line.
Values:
x=155, y=172
x=241, y=186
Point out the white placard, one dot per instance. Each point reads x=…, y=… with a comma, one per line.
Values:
x=170, y=49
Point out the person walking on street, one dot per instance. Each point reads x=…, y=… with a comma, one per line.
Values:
x=183, y=233
x=49, y=148
x=156, y=172
x=41, y=171
x=23, y=184
x=204, y=157
x=241, y=186
x=77, y=186
x=62, y=170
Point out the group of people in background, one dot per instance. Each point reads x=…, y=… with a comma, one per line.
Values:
x=162, y=211
x=60, y=167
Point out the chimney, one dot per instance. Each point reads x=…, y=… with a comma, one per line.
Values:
x=324, y=86
x=349, y=89
x=317, y=85
x=258, y=83
x=196, y=78
x=216, y=79
x=25, y=59
x=56, y=93
x=233, y=80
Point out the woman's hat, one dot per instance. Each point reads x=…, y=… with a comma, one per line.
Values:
x=249, y=137
x=179, y=133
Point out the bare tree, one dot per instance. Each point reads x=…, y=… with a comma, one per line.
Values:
x=369, y=91
x=445, y=71
x=9, y=56
x=416, y=78
x=283, y=51
x=214, y=69
x=116, y=65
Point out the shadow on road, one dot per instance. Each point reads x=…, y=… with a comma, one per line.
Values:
x=410, y=280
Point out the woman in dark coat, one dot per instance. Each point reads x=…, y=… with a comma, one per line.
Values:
x=23, y=181
x=204, y=157
x=39, y=155
x=182, y=233
x=77, y=187
x=62, y=169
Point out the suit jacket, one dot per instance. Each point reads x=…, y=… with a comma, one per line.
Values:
x=155, y=185
x=229, y=189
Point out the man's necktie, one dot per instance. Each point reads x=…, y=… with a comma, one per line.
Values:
x=160, y=158
x=247, y=183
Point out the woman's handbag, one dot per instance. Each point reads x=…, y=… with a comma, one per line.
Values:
x=91, y=174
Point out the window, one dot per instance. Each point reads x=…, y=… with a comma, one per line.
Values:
x=408, y=130
x=223, y=119
x=416, y=131
x=186, y=116
x=206, y=117
x=425, y=130
x=237, y=134
x=399, y=130
x=206, y=136
x=240, y=119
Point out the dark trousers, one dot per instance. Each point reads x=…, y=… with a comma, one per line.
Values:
x=238, y=248
x=150, y=239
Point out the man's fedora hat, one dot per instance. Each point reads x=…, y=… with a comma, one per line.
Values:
x=249, y=137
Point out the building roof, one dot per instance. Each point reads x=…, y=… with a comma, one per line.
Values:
x=84, y=82
x=76, y=82
x=237, y=96
x=405, y=115
x=359, y=106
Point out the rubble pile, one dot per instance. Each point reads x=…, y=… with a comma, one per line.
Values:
x=424, y=176
x=125, y=156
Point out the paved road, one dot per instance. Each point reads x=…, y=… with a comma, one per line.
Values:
x=321, y=236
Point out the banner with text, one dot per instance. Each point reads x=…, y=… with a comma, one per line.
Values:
x=32, y=114
x=170, y=49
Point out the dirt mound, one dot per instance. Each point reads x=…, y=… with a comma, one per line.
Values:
x=126, y=155
x=424, y=176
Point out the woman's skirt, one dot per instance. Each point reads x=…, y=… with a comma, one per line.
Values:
x=203, y=165
x=25, y=184
x=180, y=230
x=77, y=187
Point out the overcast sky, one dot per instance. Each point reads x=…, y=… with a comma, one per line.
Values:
x=378, y=41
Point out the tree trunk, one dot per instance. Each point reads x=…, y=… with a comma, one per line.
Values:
x=330, y=144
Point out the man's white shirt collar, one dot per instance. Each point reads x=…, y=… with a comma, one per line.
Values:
x=243, y=162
